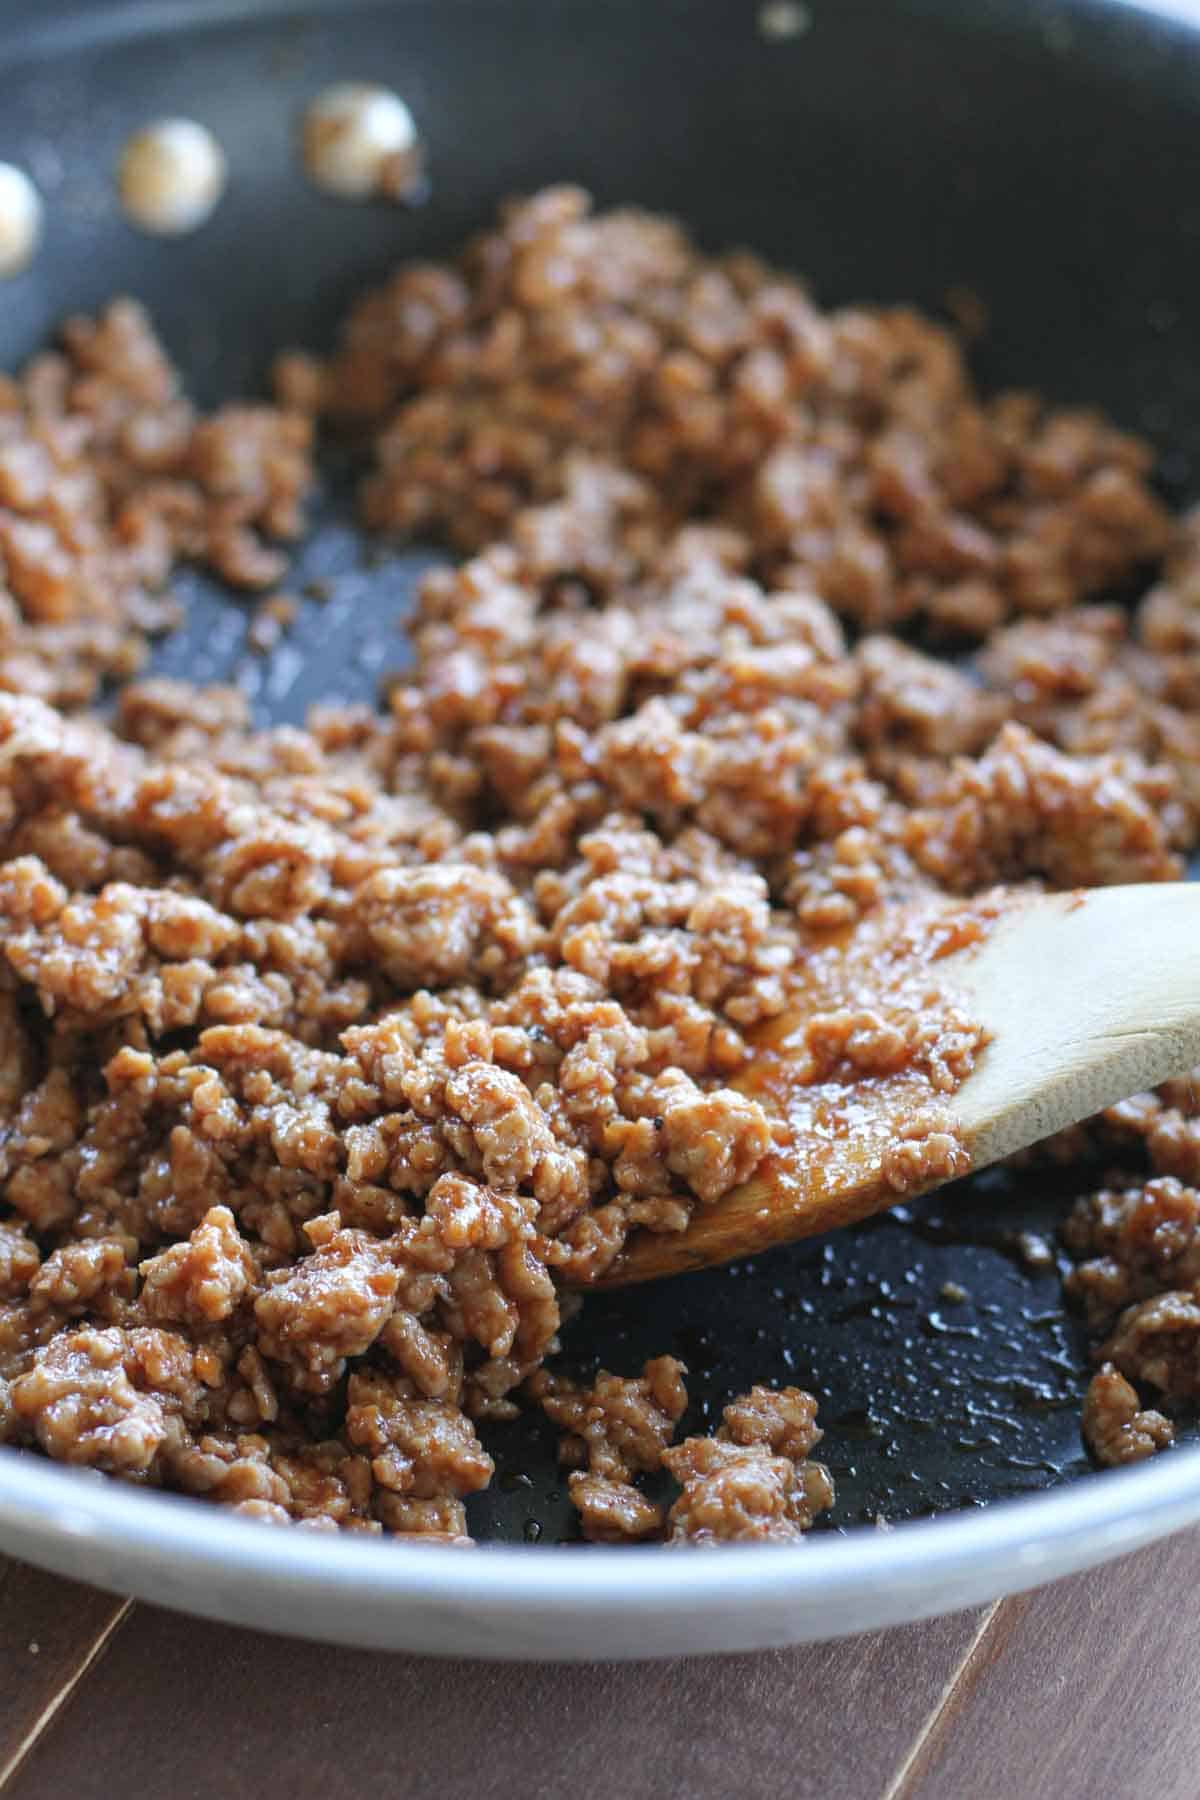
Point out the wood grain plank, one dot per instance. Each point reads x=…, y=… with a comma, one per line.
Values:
x=185, y=1708
x=1082, y=1690
x=48, y=1630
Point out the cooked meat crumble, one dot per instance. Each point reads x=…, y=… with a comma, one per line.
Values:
x=330, y=1057
x=751, y=1482
x=1137, y=1273
x=615, y=1427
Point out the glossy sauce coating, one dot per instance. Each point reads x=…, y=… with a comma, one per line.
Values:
x=331, y=1056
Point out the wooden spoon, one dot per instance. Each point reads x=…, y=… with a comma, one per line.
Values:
x=1087, y=998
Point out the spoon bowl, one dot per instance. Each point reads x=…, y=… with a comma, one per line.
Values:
x=1082, y=998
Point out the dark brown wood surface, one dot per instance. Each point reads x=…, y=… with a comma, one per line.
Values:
x=1087, y=1688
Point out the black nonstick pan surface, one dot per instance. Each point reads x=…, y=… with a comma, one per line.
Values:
x=1045, y=156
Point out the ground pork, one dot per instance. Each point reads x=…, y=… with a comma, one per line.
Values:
x=1136, y=1274
x=108, y=479
x=719, y=382
x=1115, y=1427
x=751, y=1482
x=330, y=1056
x=611, y=1430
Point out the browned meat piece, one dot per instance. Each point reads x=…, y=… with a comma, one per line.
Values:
x=326, y=1054
x=1115, y=1427
x=751, y=1481
x=1157, y=1342
x=613, y=1512
x=327, y=1307
x=203, y=1280
x=618, y=1425
x=115, y=1400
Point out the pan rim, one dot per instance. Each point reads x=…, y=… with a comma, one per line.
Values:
x=41, y=27
x=577, y=1601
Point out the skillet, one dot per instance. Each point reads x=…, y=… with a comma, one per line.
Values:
x=1042, y=155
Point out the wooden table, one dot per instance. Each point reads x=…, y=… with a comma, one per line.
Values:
x=1085, y=1689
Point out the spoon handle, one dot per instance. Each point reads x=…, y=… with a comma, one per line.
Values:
x=1089, y=997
